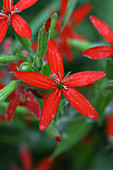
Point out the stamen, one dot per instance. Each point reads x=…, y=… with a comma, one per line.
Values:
x=55, y=78
x=65, y=80
x=65, y=87
x=60, y=76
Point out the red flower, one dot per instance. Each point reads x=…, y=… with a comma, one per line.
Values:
x=30, y=101
x=10, y=15
x=61, y=85
x=26, y=160
x=101, y=51
x=68, y=32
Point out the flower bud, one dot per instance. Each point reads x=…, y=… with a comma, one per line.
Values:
x=8, y=58
x=7, y=90
x=53, y=133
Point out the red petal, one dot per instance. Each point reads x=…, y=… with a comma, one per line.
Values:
x=48, y=24
x=23, y=4
x=63, y=7
x=84, y=78
x=99, y=52
x=109, y=126
x=45, y=164
x=12, y=107
x=26, y=158
x=36, y=79
x=50, y=109
x=68, y=52
x=103, y=29
x=80, y=103
x=8, y=5
x=34, y=46
x=55, y=59
x=80, y=14
x=3, y=28
x=32, y=104
x=20, y=26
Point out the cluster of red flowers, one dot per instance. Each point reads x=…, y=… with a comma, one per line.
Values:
x=55, y=51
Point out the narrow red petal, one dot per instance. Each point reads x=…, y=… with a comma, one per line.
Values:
x=20, y=26
x=55, y=59
x=99, y=52
x=36, y=79
x=48, y=24
x=103, y=29
x=26, y=158
x=84, y=78
x=12, y=107
x=50, y=109
x=109, y=126
x=8, y=5
x=68, y=52
x=23, y=4
x=80, y=14
x=63, y=7
x=45, y=164
x=80, y=103
x=3, y=28
x=32, y=104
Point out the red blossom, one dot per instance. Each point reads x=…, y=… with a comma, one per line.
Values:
x=26, y=159
x=61, y=85
x=68, y=31
x=101, y=51
x=30, y=100
x=10, y=15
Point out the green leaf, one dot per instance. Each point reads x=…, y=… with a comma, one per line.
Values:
x=26, y=43
x=43, y=38
x=7, y=90
x=20, y=55
x=70, y=7
x=8, y=58
x=46, y=70
x=80, y=45
x=74, y=133
x=109, y=69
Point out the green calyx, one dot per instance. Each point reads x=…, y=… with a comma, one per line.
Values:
x=60, y=86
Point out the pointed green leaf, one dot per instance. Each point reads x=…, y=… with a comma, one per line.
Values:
x=74, y=133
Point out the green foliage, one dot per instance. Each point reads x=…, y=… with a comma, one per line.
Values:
x=73, y=134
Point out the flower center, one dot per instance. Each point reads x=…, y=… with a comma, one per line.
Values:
x=60, y=86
